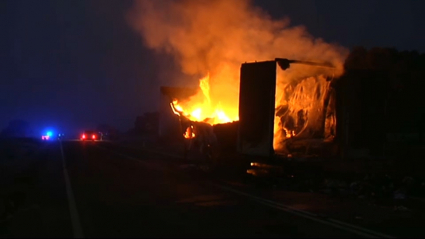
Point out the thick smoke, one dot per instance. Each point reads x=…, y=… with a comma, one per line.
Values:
x=217, y=36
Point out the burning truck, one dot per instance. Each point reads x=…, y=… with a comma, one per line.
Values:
x=276, y=115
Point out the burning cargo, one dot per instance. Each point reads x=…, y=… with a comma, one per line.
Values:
x=169, y=125
x=189, y=130
x=276, y=114
x=285, y=115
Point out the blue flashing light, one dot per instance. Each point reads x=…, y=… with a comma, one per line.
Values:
x=49, y=133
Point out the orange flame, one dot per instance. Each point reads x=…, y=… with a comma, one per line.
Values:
x=189, y=134
x=200, y=107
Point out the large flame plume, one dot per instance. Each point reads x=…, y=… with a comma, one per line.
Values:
x=212, y=38
x=201, y=108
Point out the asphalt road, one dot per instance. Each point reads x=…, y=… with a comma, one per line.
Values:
x=104, y=189
x=94, y=189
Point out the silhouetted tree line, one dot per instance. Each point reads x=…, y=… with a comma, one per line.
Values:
x=381, y=92
x=17, y=129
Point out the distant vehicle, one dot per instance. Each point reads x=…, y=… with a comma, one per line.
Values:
x=47, y=136
x=91, y=135
x=51, y=136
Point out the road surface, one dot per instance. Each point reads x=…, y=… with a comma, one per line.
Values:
x=96, y=189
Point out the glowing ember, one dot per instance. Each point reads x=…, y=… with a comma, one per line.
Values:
x=201, y=109
x=304, y=109
x=289, y=133
x=189, y=134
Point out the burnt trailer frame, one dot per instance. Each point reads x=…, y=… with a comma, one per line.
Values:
x=257, y=99
x=257, y=108
x=169, y=123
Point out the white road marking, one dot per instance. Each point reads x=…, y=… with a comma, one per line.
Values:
x=75, y=219
x=360, y=231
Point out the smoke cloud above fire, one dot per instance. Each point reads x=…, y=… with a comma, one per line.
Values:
x=214, y=37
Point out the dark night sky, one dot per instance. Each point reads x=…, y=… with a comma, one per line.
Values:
x=74, y=64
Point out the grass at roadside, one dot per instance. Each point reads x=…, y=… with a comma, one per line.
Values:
x=18, y=177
